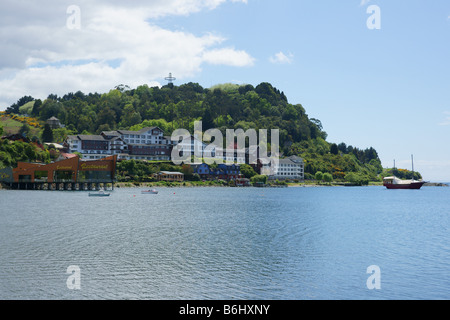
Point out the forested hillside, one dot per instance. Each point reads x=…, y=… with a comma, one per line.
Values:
x=227, y=106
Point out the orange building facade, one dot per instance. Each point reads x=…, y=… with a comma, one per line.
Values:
x=68, y=173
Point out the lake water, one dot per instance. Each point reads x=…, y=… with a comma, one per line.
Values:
x=226, y=243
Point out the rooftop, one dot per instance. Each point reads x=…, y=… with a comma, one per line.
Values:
x=168, y=172
x=142, y=131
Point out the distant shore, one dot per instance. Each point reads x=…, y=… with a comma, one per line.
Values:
x=436, y=184
x=196, y=184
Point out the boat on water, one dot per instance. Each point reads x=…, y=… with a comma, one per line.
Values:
x=100, y=193
x=152, y=191
x=396, y=183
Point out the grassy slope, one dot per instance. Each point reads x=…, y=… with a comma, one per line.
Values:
x=11, y=126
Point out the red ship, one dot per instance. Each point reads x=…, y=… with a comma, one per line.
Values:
x=396, y=183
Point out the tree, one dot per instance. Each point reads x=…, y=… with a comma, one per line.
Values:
x=14, y=108
x=61, y=134
x=356, y=179
x=319, y=176
x=327, y=177
x=24, y=130
x=104, y=127
x=342, y=147
x=130, y=117
x=248, y=171
x=47, y=134
x=36, y=107
x=188, y=172
x=259, y=178
x=107, y=117
x=334, y=149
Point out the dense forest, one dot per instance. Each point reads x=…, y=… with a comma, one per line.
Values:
x=226, y=106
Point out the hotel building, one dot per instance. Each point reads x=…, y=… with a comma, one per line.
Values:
x=292, y=168
x=146, y=144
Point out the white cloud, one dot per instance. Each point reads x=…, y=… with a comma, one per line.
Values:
x=282, y=58
x=228, y=56
x=364, y=2
x=40, y=55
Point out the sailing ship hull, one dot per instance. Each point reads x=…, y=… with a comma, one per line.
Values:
x=412, y=186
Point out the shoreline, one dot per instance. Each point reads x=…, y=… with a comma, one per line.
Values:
x=189, y=184
x=215, y=184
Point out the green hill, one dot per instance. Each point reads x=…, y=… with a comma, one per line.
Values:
x=225, y=106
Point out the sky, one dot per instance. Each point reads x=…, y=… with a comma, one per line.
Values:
x=376, y=73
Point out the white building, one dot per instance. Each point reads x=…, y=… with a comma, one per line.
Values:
x=146, y=144
x=292, y=168
x=193, y=146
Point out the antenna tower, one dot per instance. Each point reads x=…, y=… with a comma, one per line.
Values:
x=170, y=78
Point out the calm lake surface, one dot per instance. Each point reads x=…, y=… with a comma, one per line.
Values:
x=226, y=243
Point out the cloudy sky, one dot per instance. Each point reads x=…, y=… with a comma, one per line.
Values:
x=376, y=73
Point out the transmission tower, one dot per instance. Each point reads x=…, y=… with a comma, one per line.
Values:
x=170, y=78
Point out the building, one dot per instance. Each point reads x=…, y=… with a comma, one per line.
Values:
x=16, y=137
x=202, y=170
x=56, y=146
x=146, y=144
x=169, y=176
x=226, y=172
x=243, y=182
x=68, y=174
x=65, y=156
x=193, y=147
x=54, y=123
x=292, y=168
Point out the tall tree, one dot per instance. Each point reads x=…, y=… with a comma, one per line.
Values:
x=47, y=134
x=334, y=149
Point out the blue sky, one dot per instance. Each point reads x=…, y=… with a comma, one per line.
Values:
x=388, y=88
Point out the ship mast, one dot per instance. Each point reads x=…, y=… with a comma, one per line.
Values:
x=412, y=162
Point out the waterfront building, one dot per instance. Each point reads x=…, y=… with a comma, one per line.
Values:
x=169, y=176
x=71, y=173
x=243, y=182
x=202, y=170
x=146, y=144
x=291, y=168
x=226, y=172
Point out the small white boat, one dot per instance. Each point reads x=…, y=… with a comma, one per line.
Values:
x=153, y=191
x=100, y=193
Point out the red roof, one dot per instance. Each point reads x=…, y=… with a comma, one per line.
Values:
x=68, y=155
